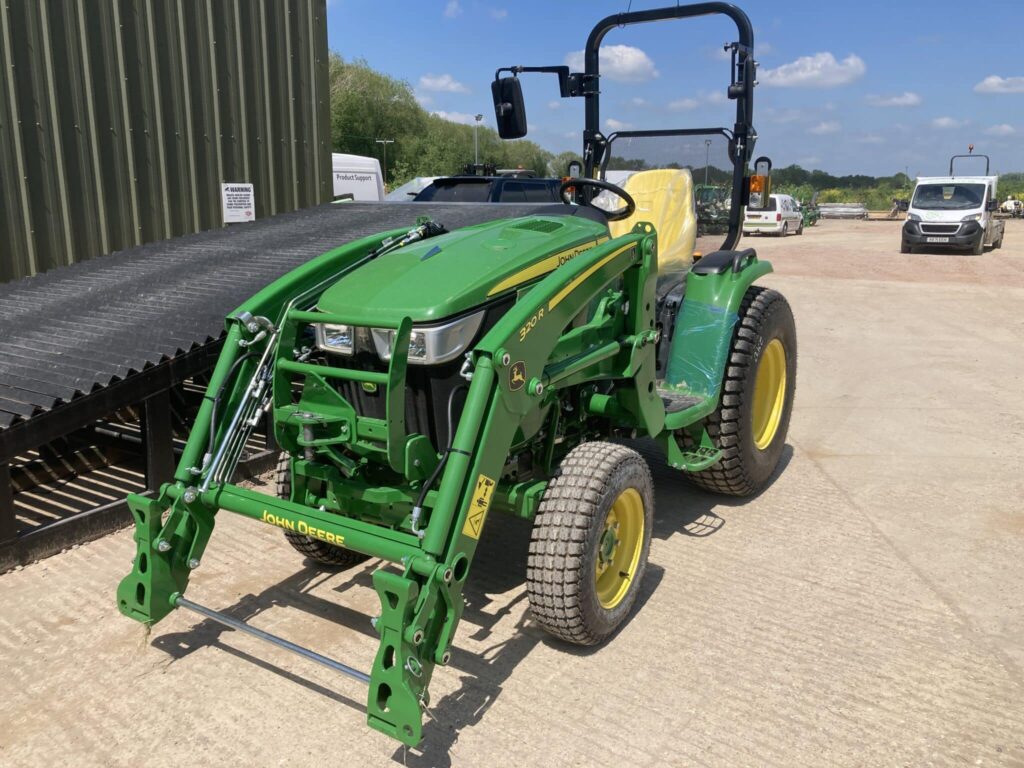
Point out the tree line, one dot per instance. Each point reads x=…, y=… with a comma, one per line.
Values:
x=367, y=106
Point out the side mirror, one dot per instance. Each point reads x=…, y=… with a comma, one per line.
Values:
x=759, y=185
x=992, y=205
x=575, y=169
x=508, y=107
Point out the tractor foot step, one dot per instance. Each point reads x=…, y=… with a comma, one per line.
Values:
x=696, y=459
x=675, y=402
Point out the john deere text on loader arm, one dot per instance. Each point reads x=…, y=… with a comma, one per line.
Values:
x=420, y=380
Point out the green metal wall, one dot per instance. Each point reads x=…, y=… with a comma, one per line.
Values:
x=119, y=119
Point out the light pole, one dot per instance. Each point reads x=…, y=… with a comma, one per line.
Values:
x=476, y=142
x=385, y=143
x=707, y=159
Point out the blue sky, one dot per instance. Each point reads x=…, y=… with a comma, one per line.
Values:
x=849, y=87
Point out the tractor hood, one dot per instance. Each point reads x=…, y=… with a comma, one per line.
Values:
x=452, y=273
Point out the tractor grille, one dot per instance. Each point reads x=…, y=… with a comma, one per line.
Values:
x=428, y=387
x=940, y=229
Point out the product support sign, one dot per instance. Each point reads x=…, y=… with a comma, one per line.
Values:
x=238, y=203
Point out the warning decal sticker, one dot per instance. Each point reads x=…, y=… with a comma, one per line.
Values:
x=478, y=507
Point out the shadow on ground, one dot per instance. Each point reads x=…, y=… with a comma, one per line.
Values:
x=499, y=568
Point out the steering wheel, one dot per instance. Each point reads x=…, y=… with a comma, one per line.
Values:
x=617, y=215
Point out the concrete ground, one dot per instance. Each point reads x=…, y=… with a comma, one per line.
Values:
x=865, y=610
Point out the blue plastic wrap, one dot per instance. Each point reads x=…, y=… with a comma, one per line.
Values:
x=700, y=348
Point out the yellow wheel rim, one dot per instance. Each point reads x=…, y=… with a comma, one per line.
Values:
x=618, y=549
x=769, y=394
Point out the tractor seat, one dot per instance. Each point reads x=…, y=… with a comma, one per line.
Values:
x=664, y=197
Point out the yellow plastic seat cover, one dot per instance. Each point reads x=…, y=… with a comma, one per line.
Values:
x=664, y=197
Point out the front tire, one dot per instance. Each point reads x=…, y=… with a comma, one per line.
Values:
x=316, y=550
x=591, y=538
x=752, y=419
x=979, y=247
x=905, y=247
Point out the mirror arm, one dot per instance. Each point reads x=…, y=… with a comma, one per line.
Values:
x=570, y=84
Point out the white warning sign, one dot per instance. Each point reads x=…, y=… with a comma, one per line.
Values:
x=238, y=202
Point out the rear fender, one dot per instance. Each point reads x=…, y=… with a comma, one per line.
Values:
x=715, y=287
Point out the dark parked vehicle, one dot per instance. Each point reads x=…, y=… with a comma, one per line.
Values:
x=490, y=189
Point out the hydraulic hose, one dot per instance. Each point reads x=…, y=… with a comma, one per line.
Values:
x=417, y=510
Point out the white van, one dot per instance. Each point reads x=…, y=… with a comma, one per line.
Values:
x=953, y=212
x=781, y=217
x=357, y=177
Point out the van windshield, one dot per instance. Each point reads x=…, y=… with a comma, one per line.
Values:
x=949, y=197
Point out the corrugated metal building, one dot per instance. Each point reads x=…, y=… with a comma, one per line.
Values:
x=120, y=119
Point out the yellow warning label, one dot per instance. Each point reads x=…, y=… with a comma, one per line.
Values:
x=478, y=508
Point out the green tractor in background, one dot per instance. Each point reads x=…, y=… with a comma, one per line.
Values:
x=420, y=381
x=713, y=202
x=810, y=212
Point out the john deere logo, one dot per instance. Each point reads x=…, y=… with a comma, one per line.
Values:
x=517, y=376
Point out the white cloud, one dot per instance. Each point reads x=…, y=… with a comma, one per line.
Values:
x=825, y=127
x=1003, y=129
x=782, y=116
x=818, y=71
x=871, y=138
x=905, y=99
x=452, y=9
x=555, y=104
x=714, y=97
x=680, y=105
x=571, y=134
x=622, y=63
x=457, y=117
x=499, y=14
x=423, y=99
x=616, y=125
x=442, y=84
x=636, y=101
x=997, y=84
x=944, y=123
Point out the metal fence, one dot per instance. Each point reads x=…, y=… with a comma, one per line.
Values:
x=120, y=119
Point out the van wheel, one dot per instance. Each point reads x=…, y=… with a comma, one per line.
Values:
x=979, y=247
x=905, y=247
x=800, y=229
x=785, y=229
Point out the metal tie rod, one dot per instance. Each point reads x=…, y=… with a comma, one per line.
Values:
x=280, y=642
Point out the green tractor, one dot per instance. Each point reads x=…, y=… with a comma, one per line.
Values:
x=810, y=212
x=420, y=381
x=713, y=202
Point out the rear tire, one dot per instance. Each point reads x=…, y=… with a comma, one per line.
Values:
x=752, y=419
x=590, y=541
x=316, y=550
x=785, y=229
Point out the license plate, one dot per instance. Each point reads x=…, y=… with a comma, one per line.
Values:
x=937, y=240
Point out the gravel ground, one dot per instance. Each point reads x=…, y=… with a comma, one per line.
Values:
x=866, y=609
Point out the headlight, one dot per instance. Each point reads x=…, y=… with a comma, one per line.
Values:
x=972, y=217
x=913, y=217
x=431, y=344
x=334, y=338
